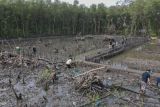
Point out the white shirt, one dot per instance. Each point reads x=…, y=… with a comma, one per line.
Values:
x=17, y=47
x=69, y=61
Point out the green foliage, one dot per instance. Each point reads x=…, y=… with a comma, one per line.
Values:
x=26, y=18
x=46, y=74
x=94, y=98
x=45, y=78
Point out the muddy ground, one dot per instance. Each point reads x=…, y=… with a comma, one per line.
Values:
x=25, y=79
x=62, y=93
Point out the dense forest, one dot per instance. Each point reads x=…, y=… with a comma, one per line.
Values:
x=31, y=18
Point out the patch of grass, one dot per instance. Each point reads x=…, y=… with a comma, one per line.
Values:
x=95, y=98
x=46, y=74
x=44, y=78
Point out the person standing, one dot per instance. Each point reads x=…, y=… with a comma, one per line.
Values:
x=18, y=50
x=34, y=49
x=145, y=81
x=158, y=82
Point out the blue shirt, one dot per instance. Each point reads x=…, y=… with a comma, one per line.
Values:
x=158, y=80
x=145, y=77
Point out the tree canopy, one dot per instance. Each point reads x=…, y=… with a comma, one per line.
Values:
x=33, y=18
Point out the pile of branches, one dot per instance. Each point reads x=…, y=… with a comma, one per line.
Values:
x=90, y=84
x=10, y=59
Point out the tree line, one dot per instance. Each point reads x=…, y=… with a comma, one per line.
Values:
x=33, y=18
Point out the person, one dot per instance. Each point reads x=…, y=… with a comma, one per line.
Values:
x=18, y=49
x=145, y=80
x=54, y=76
x=113, y=43
x=123, y=41
x=158, y=82
x=34, y=50
x=110, y=43
x=69, y=62
x=110, y=46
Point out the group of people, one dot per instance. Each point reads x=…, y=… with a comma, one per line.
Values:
x=112, y=43
x=146, y=81
x=145, y=76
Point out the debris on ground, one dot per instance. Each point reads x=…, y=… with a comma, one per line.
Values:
x=90, y=83
x=43, y=80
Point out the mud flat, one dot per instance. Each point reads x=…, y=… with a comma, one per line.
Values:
x=24, y=79
x=26, y=82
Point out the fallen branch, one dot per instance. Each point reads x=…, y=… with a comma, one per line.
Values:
x=48, y=61
x=90, y=63
x=148, y=102
x=123, y=88
x=109, y=94
x=129, y=101
x=96, y=100
x=89, y=71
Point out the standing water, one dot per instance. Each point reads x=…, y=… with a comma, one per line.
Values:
x=141, y=58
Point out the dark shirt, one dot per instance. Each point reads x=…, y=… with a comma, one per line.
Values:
x=34, y=50
x=158, y=80
x=145, y=77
